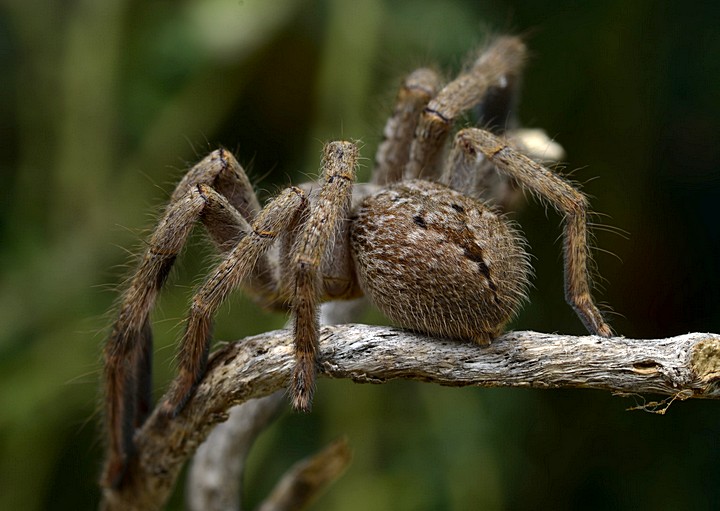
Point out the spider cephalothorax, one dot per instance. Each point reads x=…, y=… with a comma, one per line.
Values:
x=417, y=240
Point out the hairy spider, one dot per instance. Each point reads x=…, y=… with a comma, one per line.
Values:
x=416, y=240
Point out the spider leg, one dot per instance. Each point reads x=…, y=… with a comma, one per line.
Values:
x=222, y=171
x=500, y=189
x=472, y=142
x=496, y=66
x=325, y=219
x=478, y=177
x=128, y=351
x=393, y=152
x=233, y=271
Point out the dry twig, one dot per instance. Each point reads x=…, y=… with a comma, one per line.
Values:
x=683, y=367
x=218, y=465
x=299, y=487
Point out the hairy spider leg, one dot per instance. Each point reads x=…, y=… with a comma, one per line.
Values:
x=327, y=214
x=418, y=88
x=128, y=351
x=569, y=202
x=502, y=59
x=230, y=274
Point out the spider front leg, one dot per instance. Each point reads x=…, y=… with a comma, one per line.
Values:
x=128, y=351
x=325, y=220
x=232, y=272
x=472, y=144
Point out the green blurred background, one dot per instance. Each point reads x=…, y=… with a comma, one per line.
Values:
x=104, y=103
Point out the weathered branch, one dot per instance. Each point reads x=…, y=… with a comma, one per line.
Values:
x=683, y=367
x=219, y=463
x=216, y=470
x=305, y=480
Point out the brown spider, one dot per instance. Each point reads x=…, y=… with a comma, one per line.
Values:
x=431, y=256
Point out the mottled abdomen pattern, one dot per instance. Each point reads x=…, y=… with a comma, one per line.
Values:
x=436, y=261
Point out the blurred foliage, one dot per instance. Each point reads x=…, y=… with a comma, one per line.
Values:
x=104, y=103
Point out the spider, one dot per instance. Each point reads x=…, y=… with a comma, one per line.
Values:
x=418, y=240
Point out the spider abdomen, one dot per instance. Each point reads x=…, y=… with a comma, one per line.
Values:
x=437, y=261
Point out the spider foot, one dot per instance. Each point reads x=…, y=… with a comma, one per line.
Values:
x=177, y=398
x=592, y=318
x=604, y=330
x=303, y=384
